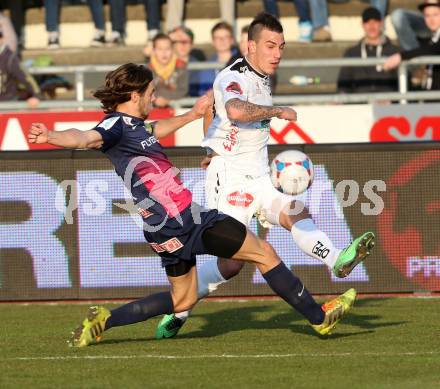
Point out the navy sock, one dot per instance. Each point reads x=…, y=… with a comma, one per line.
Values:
x=141, y=310
x=290, y=288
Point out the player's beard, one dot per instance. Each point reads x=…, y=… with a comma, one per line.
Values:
x=144, y=109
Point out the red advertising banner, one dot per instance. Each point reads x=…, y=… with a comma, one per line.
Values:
x=14, y=127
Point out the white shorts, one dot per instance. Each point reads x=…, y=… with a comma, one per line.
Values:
x=241, y=196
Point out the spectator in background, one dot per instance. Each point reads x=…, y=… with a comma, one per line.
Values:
x=117, y=16
x=319, y=12
x=171, y=76
x=374, y=44
x=242, y=46
x=16, y=83
x=431, y=13
x=410, y=26
x=303, y=11
x=9, y=38
x=223, y=42
x=183, y=43
x=176, y=8
x=52, y=10
x=17, y=9
x=152, y=11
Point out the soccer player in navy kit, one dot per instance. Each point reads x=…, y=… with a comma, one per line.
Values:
x=175, y=227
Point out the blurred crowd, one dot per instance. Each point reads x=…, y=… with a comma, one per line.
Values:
x=168, y=54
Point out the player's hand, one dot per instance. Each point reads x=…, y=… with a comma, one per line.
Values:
x=202, y=104
x=32, y=102
x=392, y=62
x=206, y=161
x=38, y=133
x=288, y=113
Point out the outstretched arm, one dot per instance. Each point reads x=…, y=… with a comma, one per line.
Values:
x=243, y=111
x=72, y=138
x=166, y=127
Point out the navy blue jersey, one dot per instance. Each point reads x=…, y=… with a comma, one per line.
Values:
x=139, y=160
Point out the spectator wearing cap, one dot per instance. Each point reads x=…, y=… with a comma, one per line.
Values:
x=374, y=44
x=431, y=14
x=319, y=13
x=171, y=76
x=16, y=83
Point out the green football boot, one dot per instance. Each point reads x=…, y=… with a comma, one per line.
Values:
x=334, y=311
x=91, y=329
x=349, y=257
x=169, y=326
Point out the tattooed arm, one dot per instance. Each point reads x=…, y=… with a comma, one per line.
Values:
x=244, y=111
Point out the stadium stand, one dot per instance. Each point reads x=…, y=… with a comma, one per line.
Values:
x=201, y=15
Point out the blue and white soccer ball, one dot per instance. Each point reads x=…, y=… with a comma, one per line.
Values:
x=292, y=172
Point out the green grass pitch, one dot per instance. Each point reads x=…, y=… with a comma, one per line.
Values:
x=383, y=343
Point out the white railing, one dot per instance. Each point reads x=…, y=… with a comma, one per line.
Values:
x=401, y=95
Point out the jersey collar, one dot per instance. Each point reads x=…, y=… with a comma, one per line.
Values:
x=261, y=75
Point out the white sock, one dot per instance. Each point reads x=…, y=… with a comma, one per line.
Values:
x=209, y=278
x=314, y=242
x=182, y=315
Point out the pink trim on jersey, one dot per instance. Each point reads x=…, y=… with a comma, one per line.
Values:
x=164, y=185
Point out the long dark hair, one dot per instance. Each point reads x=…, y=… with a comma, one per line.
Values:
x=119, y=84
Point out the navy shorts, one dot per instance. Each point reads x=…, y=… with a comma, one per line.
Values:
x=175, y=241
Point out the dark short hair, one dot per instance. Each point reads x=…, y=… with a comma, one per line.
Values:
x=262, y=21
x=161, y=37
x=371, y=13
x=222, y=26
x=185, y=30
x=245, y=29
x=120, y=83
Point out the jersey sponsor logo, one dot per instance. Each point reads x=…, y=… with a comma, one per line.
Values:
x=148, y=142
x=144, y=213
x=108, y=123
x=170, y=246
x=234, y=87
x=240, y=199
x=232, y=141
x=320, y=250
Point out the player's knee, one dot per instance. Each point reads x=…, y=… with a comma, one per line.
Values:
x=268, y=251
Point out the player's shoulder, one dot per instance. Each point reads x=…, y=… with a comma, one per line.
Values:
x=119, y=121
x=235, y=70
x=109, y=122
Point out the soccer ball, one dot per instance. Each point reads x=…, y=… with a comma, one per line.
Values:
x=291, y=172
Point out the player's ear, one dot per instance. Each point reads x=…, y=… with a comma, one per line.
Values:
x=134, y=97
x=252, y=46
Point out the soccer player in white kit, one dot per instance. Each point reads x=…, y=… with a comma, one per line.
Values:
x=238, y=175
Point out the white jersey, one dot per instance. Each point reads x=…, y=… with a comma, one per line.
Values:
x=243, y=145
